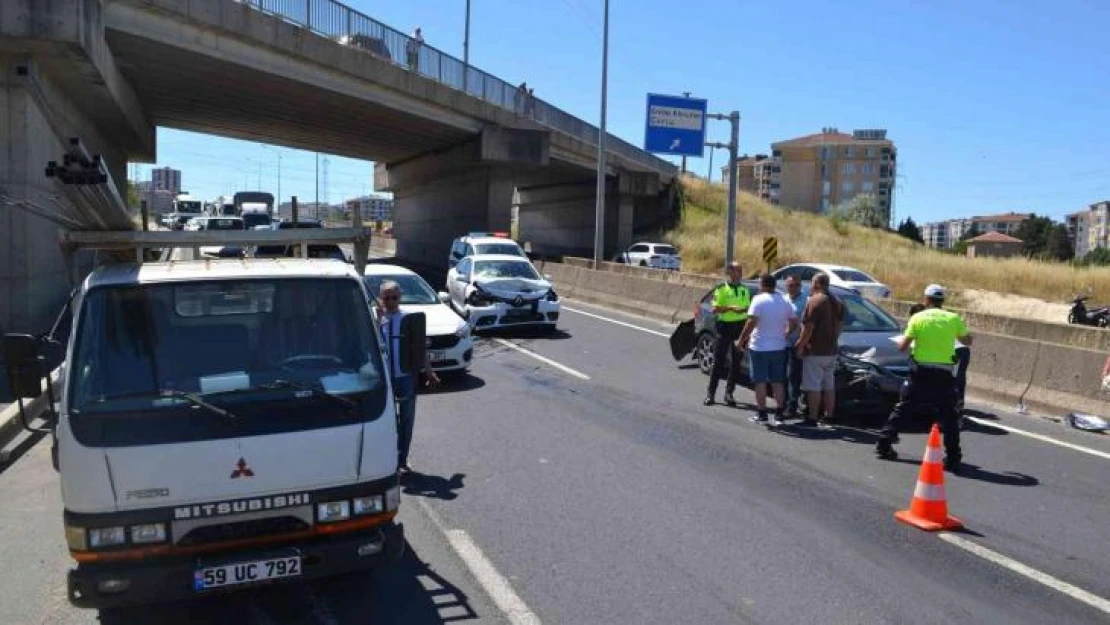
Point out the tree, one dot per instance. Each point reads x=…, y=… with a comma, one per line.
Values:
x=132, y=199
x=961, y=245
x=1033, y=233
x=1057, y=245
x=864, y=210
x=1099, y=256
x=908, y=228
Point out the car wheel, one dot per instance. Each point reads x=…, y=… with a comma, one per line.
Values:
x=704, y=352
x=643, y=263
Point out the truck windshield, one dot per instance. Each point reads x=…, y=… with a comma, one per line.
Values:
x=268, y=352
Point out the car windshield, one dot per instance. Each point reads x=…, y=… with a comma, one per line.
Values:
x=414, y=290
x=190, y=206
x=861, y=315
x=505, y=269
x=511, y=249
x=666, y=249
x=250, y=220
x=215, y=223
x=851, y=275
x=241, y=345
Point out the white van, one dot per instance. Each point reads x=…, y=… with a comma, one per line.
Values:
x=222, y=424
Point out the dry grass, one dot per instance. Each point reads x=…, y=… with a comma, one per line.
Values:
x=905, y=266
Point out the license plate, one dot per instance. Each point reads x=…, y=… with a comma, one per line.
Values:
x=437, y=356
x=246, y=572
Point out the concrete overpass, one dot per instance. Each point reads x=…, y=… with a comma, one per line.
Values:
x=456, y=145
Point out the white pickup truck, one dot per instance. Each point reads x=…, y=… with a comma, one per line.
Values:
x=222, y=423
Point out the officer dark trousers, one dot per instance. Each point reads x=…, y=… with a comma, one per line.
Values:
x=726, y=360
x=927, y=389
x=963, y=360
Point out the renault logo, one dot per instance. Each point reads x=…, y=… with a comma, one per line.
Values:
x=241, y=470
x=519, y=301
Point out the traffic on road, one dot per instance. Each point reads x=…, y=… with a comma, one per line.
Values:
x=306, y=441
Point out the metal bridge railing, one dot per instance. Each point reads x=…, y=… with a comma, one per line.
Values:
x=347, y=26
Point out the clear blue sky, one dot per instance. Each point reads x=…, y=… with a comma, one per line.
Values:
x=994, y=106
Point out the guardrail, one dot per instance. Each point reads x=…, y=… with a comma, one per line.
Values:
x=345, y=25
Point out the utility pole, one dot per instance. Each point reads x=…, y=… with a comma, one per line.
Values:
x=733, y=147
x=687, y=94
x=317, y=181
x=466, y=46
x=709, y=176
x=599, y=217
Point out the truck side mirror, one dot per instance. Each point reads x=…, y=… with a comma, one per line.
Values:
x=22, y=358
x=413, y=342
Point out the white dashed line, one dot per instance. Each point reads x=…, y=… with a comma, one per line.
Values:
x=620, y=323
x=543, y=359
x=1041, y=437
x=487, y=575
x=1074, y=592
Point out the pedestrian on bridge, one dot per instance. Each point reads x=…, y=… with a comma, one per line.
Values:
x=730, y=305
x=931, y=335
x=412, y=49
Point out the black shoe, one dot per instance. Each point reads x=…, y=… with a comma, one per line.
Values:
x=709, y=401
x=953, y=464
x=759, y=417
x=730, y=401
x=809, y=423
x=885, y=451
x=404, y=469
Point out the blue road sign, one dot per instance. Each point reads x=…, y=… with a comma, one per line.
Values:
x=675, y=125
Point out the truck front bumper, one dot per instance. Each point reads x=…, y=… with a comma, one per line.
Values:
x=171, y=579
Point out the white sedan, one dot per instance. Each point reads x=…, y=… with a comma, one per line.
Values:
x=450, y=347
x=841, y=276
x=655, y=255
x=498, y=290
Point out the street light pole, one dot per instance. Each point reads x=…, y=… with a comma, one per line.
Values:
x=733, y=148
x=466, y=46
x=599, y=217
x=317, y=182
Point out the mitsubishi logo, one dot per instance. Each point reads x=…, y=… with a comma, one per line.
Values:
x=519, y=301
x=242, y=470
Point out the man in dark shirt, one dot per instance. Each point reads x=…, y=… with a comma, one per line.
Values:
x=818, y=347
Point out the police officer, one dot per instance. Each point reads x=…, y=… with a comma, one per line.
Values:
x=730, y=304
x=933, y=333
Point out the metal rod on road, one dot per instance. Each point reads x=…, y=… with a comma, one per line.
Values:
x=599, y=217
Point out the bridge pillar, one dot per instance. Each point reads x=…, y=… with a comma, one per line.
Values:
x=442, y=195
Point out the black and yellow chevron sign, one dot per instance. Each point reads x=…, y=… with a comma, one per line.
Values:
x=770, y=250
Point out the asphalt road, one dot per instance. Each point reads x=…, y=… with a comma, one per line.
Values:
x=601, y=491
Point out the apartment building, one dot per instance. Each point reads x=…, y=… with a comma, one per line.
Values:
x=1079, y=232
x=166, y=179
x=945, y=234
x=817, y=172
x=1098, y=225
x=935, y=234
x=753, y=175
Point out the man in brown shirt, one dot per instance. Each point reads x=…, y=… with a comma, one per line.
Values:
x=818, y=347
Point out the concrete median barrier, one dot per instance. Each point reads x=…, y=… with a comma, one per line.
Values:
x=1046, y=376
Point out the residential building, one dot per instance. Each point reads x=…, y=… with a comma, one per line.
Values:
x=993, y=244
x=945, y=234
x=1098, y=225
x=158, y=201
x=372, y=207
x=935, y=234
x=1006, y=223
x=166, y=179
x=817, y=172
x=1079, y=232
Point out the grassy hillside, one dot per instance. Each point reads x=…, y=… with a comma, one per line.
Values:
x=906, y=266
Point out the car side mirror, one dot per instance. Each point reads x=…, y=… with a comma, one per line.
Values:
x=443, y=297
x=413, y=345
x=23, y=360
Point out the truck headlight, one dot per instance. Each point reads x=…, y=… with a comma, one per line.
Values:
x=374, y=504
x=77, y=538
x=148, y=533
x=331, y=511
x=393, y=498
x=106, y=536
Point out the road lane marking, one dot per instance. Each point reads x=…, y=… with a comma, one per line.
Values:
x=620, y=323
x=1074, y=592
x=543, y=359
x=1040, y=437
x=489, y=578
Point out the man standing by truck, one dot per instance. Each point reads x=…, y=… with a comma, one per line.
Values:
x=730, y=305
x=404, y=385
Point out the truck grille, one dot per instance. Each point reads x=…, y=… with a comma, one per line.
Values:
x=242, y=530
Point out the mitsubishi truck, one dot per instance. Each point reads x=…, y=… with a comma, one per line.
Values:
x=221, y=423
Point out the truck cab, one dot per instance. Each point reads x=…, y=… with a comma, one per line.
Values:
x=225, y=424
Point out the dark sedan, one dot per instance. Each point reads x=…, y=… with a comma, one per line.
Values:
x=870, y=370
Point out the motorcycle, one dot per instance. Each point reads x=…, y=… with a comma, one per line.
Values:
x=1081, y=315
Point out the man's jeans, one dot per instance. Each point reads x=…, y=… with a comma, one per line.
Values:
x=793, y=379
x=405, y=391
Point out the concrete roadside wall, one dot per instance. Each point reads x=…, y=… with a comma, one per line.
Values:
x=1047, y=377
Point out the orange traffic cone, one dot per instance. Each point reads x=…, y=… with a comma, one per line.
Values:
x=929, y=508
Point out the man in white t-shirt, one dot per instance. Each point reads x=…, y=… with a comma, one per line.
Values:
x=770, y=319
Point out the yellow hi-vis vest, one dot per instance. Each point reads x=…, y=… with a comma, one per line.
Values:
x=729, y=295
